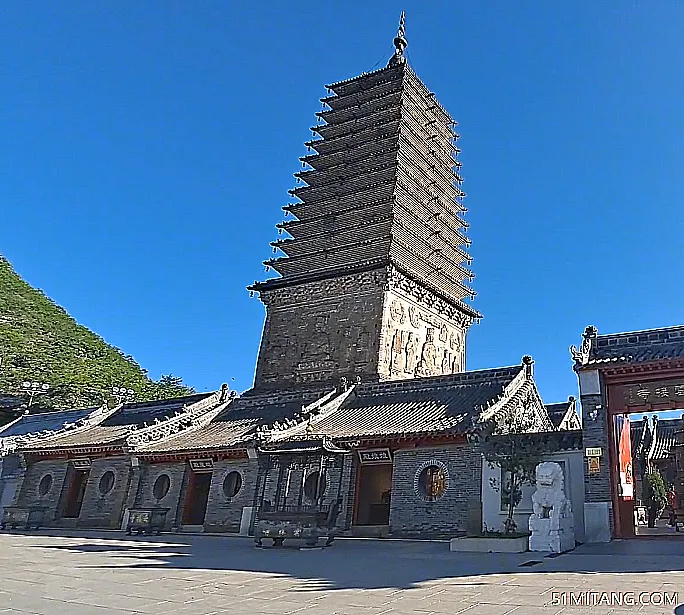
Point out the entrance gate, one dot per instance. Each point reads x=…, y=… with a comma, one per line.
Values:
x=197, y=495
x=373, y=488
x=626, y=399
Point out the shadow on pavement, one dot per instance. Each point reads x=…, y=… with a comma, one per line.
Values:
x=354, y=563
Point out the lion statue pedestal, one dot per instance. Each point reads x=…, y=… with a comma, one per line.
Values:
x=551, y=525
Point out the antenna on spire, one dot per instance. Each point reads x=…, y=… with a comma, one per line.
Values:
x=400, y=43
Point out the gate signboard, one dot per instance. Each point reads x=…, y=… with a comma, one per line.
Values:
x=375, y=455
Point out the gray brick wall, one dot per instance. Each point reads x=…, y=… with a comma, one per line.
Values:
x=149, y=473
x=105, y=510
x=224, y=513
x=98, y=510
x=410, y=515
x=28, y=492
x=595, y=434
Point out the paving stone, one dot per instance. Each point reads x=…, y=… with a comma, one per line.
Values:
x=75, y=575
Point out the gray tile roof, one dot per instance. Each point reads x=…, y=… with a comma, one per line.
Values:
x=439, y=404
x=557, y=412
x=237, y=421
x=114, y=429
x=666, y=434
x=45, y=421
x=638, y=346
x=666, y=440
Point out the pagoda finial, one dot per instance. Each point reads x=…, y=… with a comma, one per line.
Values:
x=400, y=43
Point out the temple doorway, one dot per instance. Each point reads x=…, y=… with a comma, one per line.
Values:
x=76, y=483
x=197, y=498
x=647, y=473
x=373, y=494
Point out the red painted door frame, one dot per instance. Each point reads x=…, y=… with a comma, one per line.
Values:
x=615, y=381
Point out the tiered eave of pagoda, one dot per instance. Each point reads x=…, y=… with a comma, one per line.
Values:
x=379, y=187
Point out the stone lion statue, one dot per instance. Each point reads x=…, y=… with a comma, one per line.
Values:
x=551, y=524
x=549, y=500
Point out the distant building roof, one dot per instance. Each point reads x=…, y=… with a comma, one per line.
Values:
x=44, y=421
x=114, y=429
x=442, y=404
x=10, y=402
x=656, y=439
x=240, y=419
x=564, y=415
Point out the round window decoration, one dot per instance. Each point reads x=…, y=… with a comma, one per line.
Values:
x=161, y=486
x=106, y=482
x=232, y=484
x=45, y=485
x=431, y=480
x=315, y=488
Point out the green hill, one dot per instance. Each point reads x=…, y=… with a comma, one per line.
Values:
x=40, y=342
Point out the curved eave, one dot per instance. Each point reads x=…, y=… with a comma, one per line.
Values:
x=324, y=274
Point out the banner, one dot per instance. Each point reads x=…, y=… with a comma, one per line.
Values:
x=625, y=455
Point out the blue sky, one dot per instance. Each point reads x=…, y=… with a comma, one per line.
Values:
x=147, y=148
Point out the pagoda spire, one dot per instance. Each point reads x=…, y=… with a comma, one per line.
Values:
x=400, y=43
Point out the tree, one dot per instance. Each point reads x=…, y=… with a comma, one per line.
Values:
x=40, y=342
x=506, y=443
x=655, y=496
x=166, y=387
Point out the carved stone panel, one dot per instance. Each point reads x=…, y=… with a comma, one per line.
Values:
x=418, y=342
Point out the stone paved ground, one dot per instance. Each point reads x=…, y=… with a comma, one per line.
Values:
x=107, y=573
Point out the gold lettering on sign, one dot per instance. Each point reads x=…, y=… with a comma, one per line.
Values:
x=643, y=393
x=656, y=392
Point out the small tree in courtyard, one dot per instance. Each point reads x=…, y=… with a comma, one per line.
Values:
x=504, y=444
x=655, y=496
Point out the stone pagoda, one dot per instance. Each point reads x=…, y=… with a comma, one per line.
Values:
x=374, y=275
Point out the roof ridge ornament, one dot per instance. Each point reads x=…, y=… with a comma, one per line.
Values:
x=581, y=356
x=400, y=43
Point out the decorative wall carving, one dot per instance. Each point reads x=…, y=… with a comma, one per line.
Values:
x=325, y=289
x=398, y=362
x=443, y=333
x=454, y=342
x=424, y=346
x=411, y=354
x=398, y=281
x=414, y=316
x=373, y=322
x=397, y=312
x=427, y=366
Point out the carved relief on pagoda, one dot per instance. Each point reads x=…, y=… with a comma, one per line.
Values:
x=423, y=298
x=418, y=343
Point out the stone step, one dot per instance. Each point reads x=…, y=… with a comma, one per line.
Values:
x=370, y=531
